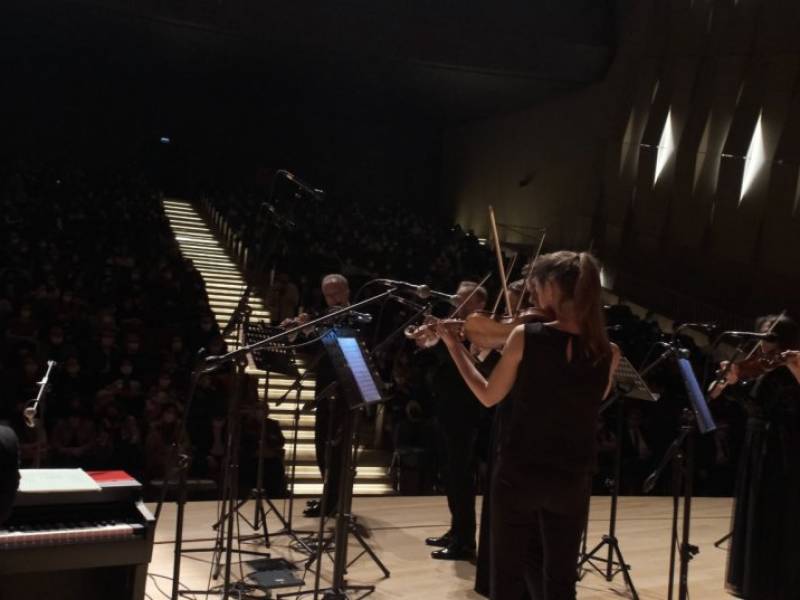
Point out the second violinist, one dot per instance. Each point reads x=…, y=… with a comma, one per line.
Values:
x=763, y=554
x=458, y=413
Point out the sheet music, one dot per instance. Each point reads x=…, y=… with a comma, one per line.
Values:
x=359, y=368
x=42, y=481
x=628, y=378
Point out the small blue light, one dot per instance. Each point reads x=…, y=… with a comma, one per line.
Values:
x=165, y=140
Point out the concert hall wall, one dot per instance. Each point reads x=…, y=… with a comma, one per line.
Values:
x=584, y=164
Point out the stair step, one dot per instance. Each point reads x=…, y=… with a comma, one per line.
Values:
x=359, y=489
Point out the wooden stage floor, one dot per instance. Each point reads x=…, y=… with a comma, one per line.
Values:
x=398, y=526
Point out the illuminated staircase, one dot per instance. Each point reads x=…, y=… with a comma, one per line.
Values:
x=225, y=283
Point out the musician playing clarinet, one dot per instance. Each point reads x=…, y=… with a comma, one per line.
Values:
x=330, y=412
x=764, y=550
x=555, y=375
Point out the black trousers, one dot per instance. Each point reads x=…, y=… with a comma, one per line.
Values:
x=537, y=517
x=327, y=426
x=460, y=481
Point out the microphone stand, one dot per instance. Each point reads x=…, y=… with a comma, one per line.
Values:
x=680, y=455
x=30, y=413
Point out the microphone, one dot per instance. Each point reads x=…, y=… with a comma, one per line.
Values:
x=315, y=192
x=704, y=327
x=422, y=291
x=767, y=337
x=407, y=303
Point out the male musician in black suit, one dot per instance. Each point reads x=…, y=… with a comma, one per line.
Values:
x=9, y=470
x=458, y=413
x=329, y=410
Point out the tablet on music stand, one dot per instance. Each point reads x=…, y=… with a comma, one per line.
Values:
x=354, y=368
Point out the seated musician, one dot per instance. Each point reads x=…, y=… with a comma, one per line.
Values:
x=762, y=556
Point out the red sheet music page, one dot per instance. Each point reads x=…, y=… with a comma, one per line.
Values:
x=110, y=476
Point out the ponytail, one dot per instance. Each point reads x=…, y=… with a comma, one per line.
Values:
x=588, y=308
x=578, y=277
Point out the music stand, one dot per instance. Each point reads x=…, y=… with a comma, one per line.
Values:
x=360, y=386
x=273, y=358
x=629, y=384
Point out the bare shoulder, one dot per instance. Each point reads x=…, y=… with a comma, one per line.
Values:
x=516, y=341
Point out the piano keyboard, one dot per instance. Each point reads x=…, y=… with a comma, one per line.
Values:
x=67, y=533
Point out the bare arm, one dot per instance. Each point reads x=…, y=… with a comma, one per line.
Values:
x=731, y=378
x=489, y=392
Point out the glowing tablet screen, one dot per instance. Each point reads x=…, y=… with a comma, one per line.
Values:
x=361, y=373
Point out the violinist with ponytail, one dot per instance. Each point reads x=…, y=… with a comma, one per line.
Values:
x=553, y=377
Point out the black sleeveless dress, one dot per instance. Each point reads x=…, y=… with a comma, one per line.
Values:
x=542, y=471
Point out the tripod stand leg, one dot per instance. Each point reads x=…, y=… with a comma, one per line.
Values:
x=623, y=566
x=723, y=539
x=369, y=551
x=584, y=535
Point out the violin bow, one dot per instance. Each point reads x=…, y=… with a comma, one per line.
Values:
x=469, y=296
x=500, y=265
x=767, y=332
x=528, y=275
x=509, y=270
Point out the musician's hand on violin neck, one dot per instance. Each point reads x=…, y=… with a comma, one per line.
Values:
x=447, y=334
x=732, y=376
x=792, y=358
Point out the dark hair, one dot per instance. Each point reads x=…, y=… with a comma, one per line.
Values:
x=480, y=293
x=786, y=330
x=577, y=274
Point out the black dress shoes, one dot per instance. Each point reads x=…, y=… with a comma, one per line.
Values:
x=454, y=551
x=315, y=510
x=441, y=541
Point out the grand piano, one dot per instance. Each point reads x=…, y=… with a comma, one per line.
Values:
x=71, y=545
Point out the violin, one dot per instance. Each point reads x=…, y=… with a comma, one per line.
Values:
x=491, y=334
x=479, y=328
x=753, y=367
x=426, y=336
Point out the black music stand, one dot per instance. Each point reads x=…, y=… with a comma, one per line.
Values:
x=629, y=384
x=358, y=380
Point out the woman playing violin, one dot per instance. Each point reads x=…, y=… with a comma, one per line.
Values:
x=555, y=375
x=763, y=553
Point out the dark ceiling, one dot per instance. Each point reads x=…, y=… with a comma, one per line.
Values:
x=448, y=60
